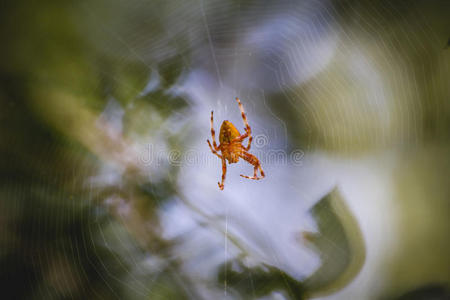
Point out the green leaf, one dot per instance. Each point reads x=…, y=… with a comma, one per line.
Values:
x=258, y=281
x=340, y=245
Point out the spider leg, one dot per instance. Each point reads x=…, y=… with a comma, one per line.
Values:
x=212, y=150
x=213, y=132
x=253, y=160
x=249, y=143
x=240, y=138
x=248, y=130
x=224, y=174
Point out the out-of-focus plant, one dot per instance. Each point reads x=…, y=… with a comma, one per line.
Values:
x=339, y=243
x=81, y=91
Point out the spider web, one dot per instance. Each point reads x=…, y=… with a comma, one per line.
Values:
x=265, y=52
x=332, y=90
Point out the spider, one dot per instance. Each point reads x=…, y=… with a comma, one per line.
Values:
x=231, y=147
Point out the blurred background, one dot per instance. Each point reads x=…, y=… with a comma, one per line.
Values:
x=108, y=189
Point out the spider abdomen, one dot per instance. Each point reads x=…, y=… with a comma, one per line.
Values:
x=228, y=132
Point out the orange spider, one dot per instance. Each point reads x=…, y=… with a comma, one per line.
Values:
x=231, y=146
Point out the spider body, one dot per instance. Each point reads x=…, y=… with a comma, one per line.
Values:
x=231, y=147
x=230, y=150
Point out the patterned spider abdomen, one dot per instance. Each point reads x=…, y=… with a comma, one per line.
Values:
x=228, y=132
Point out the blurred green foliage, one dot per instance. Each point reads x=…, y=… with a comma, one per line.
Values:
x=339, y=243
x=256, y=282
